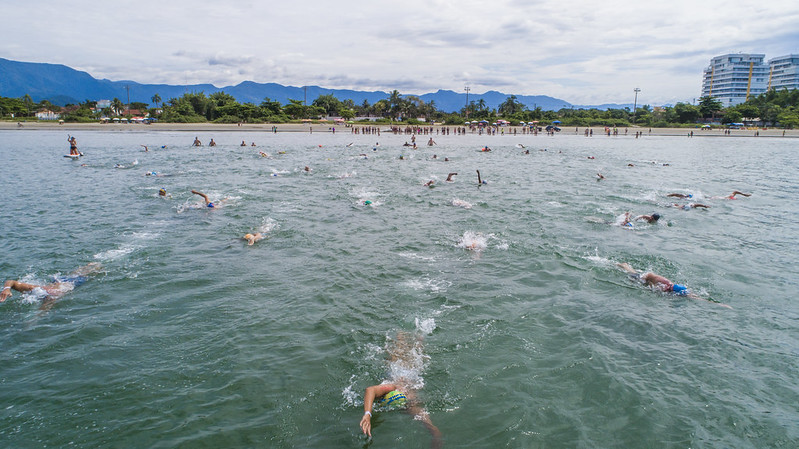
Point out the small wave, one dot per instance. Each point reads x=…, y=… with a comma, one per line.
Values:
x=268, y=225
x=425, y=326
x=461, y=203
x=473, y=241
x=427, y=284
x=114, y=254
x=412, y=255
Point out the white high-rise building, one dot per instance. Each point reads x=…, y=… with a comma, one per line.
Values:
x=734, y=78
x=784, y=72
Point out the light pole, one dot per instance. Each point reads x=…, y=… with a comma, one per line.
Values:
x=635, y=103
x=467, y=89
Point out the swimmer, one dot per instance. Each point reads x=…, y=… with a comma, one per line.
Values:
x=732, y=195
x=648, y=218
x=431, y=142
x=449, y=177
x=54, y=290
x=243, y=144
x=252, y=238
x=212, y=143
x=349, y=144
x=162, y=192
x=307, y=168
x=430, y=183
x=197, y=142
x=485, y=149
x=518, y=145
x=145, y=148
x=662, y=284
x=263, y=154
x=208, y=202
x=690, y=206
x=599, y=176
x=400, y=391
x=680, y=195
x=252, y=144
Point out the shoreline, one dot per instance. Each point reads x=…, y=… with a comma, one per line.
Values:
x=326, y=127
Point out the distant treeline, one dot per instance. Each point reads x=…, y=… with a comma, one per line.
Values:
x=774, y=108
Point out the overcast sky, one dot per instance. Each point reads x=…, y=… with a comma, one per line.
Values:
x=584, y=52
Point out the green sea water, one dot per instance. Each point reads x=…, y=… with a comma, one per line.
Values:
x=532, y=337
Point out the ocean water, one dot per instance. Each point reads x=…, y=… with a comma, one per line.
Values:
x=529, y=335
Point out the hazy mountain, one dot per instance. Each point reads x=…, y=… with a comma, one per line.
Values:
x=61, y=85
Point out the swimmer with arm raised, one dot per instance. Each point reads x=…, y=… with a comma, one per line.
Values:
x=208, y=202
x=663, y=284
x=399, y=394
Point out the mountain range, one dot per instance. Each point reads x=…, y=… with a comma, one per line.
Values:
x=62, y=85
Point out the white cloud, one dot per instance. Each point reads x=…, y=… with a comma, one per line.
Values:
x=583, y=52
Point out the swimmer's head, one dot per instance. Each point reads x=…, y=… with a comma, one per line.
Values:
x=248, y=236
x=679, y=290
x=393, y=399
x=367, y=202
x=655, y=217
x=162, y=192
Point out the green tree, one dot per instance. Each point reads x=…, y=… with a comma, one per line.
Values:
x=510, y=107
x=686, y=113
x=708, y=106
x=329, y=103
x=156, y=99
x=116, y=106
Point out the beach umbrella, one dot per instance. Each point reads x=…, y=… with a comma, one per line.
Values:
x=555, y=122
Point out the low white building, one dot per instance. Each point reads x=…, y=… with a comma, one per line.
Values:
x=46, y=114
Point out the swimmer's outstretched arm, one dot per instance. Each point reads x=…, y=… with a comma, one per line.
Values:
x=15, y=285
x=626, y=267
x=736, y=192
x=375, y=391
x=205, y=197
x=422, y=415
x=695, y=296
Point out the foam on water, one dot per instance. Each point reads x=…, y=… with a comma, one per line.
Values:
x=461, y=203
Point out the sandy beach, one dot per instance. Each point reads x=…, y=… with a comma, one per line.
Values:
x=328, y=126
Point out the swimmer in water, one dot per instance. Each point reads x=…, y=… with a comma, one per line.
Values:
x=54, y=290
x=599, y=177
x=400, y=392
x=208, y=202
x=680, y=195
x=429, y=183
x=690, y=206
x=197, y=142
x=449, y=177
x=662, y=284
x=145, y=148
x=252, y=238
x=732, y=195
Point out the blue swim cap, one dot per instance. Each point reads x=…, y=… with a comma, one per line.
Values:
x=690, y=195
x=210, y=204
x=679, y=290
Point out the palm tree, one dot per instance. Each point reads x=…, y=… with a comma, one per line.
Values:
x=156, y=99
x=116, y=105
x=26, y=99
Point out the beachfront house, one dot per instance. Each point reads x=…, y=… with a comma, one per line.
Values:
x=46, y=114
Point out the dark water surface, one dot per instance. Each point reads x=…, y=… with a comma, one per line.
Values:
x=533, y=338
